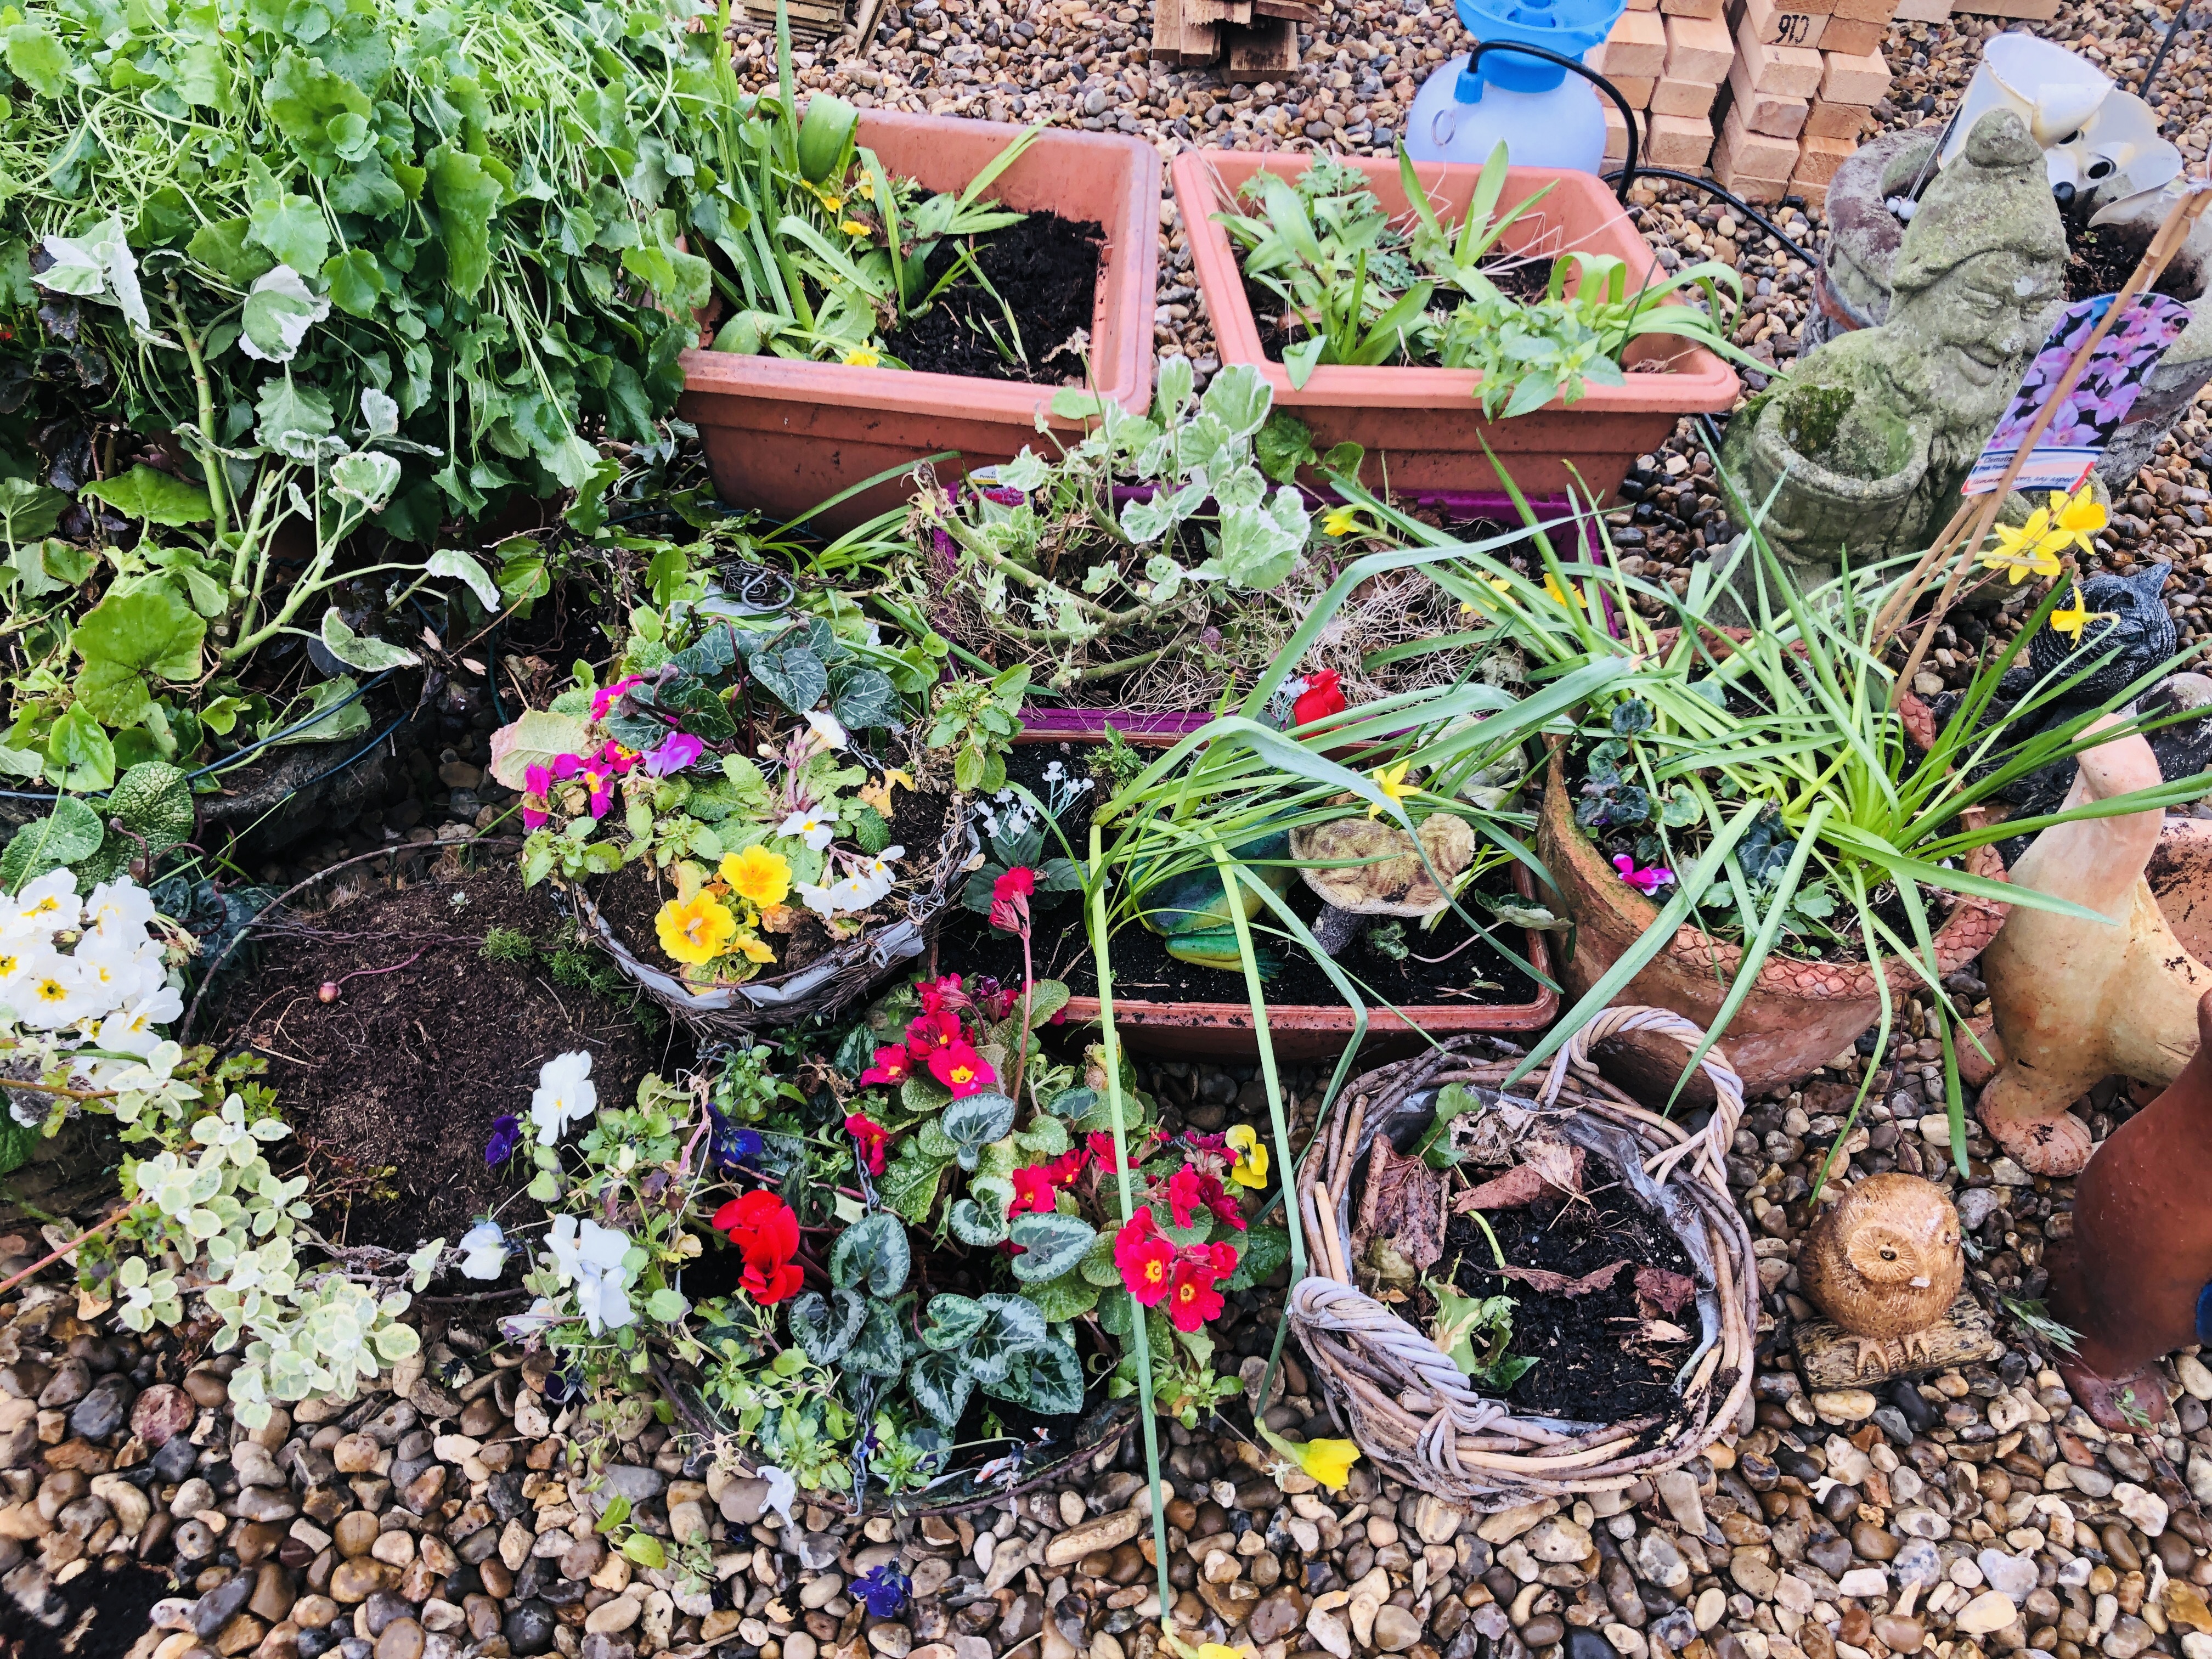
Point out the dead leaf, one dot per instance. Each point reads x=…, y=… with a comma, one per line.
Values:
x=1658, y=1330
x=1547, y=1283
x=1560, y=1163
x=1551, y=1166
x=1658, y=1291
x=1404, y=1203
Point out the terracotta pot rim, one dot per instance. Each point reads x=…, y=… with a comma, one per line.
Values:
x=1963, y=934
x=1695, y=381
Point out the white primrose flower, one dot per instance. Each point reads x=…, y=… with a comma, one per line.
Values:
x=827, y=729
x=565, y=1093
x=131, y=1028
x=22, y=960
x=117, y=972
x=592, y=1260
x=483, y=1249
x=822, y=901
x=120, y=907
x=811, y=827
x=44, y=906
x=53, y=996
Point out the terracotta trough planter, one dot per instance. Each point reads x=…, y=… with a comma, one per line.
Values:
x=1422, y=428
x=1221, y=1031
x=785, y=435
x=1800, y=1013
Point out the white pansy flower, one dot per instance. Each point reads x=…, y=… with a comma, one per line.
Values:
x=811, y=827
x=483, y=1251
x=590, y=1260
x=565, y=1093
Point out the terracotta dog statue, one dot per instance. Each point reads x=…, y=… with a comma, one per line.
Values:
x=2077, y=1001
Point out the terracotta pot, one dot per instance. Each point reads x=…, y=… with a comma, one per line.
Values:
x=787, y=435
x=1221, y=1031
x=2133, y=1278
x=1800, y=1014
x=1422, y=428
x=2181, y=877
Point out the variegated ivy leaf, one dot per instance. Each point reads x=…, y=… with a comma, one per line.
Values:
x=1025, y=472
x=379, y=416
x=98, y=265
x=462, y=565
x=1172, y=388
x=1165, y=575
x=1258, y=546
x=365, y=477
x=1238, y=396
x=279, y=310
x=1240, y=487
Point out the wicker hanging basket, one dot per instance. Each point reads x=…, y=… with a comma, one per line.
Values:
x=1408, y=1405
x=833, y=981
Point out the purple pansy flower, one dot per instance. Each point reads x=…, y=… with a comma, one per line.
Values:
x=505, y=1134
x=883, y=1588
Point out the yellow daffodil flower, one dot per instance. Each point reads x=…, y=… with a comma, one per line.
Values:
x=864, y=357
x=1329, y=1462
x=2028, y=550
x=759, y=877
x=1391, y=780
x=2071, y=618
x=1340, y=521
x=694, y=930
x=1250, y=1169
x=1497, y=585
x=878, y=794
x=2076, y=519
x=1560, y=597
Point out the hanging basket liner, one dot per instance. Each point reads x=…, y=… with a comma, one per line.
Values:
x=1407, y=1406
x=831, y=983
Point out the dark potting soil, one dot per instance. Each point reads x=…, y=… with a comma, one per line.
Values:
x=99, y=1614
x=1143, y=970
x=1046, y=270
x=2101, y=258
x=392, y=1088
x=1592, y=1363
x=631, y=899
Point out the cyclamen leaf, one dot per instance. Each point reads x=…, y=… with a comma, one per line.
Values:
x=875, y=1248
x=972, y=1224
x=1055, y=1379
x=1051, y=1244
x=880, y=1348
x=940, y=1388
x=954, y=1322
x=974, y=1122
x=822, y=1330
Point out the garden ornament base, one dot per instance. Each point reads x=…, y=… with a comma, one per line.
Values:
x=2076, y=1001
x=1409, y=1407
x=786, y=434
x=1870, y=438
x=2136, y=1278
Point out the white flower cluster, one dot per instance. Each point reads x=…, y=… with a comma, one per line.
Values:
x=1007, y=814
x=109, y=985
x=869, y=883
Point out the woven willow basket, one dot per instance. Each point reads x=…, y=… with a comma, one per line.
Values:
x=1408, y=1407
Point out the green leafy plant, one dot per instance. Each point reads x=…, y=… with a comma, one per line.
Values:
x=1475, y=1332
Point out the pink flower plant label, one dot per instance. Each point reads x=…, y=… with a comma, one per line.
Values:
x=2116, y=372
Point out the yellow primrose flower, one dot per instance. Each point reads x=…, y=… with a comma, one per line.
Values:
x=1329, y=1462
x=1391, y=780
x=878, y=794
x=695, y=930
x=2027, y=550
x=2077, y=518
x=864, y=357
x=2071, y=618
x=853, y=228
x=758, y=875
x=1250, y=1169
x=867, y=190
x=752, y=948
x=1340, y=521
x=1560, y=597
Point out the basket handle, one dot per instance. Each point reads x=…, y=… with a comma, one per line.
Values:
x=1711, y=1145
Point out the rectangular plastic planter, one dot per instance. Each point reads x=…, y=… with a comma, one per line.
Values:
x=785, y=435
x=1422, y=428
x=1299, y=1032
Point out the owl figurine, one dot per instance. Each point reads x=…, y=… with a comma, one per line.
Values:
x=1883, y=1261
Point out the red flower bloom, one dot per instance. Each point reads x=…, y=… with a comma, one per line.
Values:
x=770, y=1281
x=939, y=1029
x=1190, y=1190
x=941, y=995
x=1221, y=1257
x=892, y=1066
x=1020, y=879
x=1144, y=1259
x=1192, y=1299
x=1067, y=1166
x=1319, y=700
x=961, y=1070
x=1101, y=1143
x=1034, y=1189
x=872, y=1140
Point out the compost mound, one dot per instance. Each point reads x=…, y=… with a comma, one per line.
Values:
x=391, y=1089
x=1046, y=270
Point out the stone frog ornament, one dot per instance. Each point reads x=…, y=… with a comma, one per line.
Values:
x=1884, y=1262
x=1871, y=437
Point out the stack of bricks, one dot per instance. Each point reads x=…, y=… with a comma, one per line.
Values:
x=1800, y=94
x=1775, y=93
